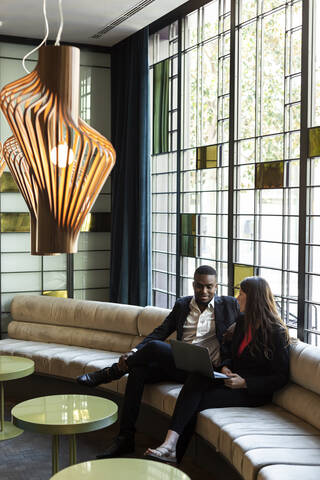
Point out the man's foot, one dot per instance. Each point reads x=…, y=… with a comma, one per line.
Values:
x=162, y=453
x=120, y=446
x=105, y=375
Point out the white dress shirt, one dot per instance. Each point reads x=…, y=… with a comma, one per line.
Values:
x=200, y=328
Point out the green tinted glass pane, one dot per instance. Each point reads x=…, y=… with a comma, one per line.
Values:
x=239, y=273
x=207, y=157
x=188, y=246
x=97, y=222
x=15, y=222
x=188, y=224
x=160, y=107
x=7, y=184
x=314, y=142
x=269, y=175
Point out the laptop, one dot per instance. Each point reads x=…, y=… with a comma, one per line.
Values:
x=194, y=359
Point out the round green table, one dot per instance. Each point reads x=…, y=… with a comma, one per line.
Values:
x=64, y=415
x=11, y=368
x=121, y=469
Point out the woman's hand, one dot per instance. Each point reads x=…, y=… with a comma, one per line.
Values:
x=226, y=370
x=235, y=381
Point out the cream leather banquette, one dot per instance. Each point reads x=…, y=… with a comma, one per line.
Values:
x=67, y=337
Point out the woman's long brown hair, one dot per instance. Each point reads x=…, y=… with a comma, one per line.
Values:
x=262, y=315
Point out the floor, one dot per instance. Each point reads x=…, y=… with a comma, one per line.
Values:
x=28, y=457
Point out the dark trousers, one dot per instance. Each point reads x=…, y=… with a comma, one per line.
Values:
x=200, y=393
x=151, y=364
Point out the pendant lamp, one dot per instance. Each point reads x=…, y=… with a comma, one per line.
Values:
x=19, y=169
x=2, y=162
x=66, y=162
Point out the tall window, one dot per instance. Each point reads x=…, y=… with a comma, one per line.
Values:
x=164, y=91
x=267, y=146
x=235, y=178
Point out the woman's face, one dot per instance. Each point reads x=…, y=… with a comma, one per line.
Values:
x=242, y=299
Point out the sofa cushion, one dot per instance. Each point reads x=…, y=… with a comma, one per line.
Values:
x=81, y=337
x=305, y=366
x=150, y=318
x=301, y=402
x=59, y=360
x=222, y=426
x=245, y=443
x=111, y=317
x=289, y=472
x=256, y=459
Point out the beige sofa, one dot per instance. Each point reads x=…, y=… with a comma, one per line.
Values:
x=68, y=337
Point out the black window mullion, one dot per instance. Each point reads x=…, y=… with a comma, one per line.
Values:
x=303, y=170
x=232, y=115
x=179, y=127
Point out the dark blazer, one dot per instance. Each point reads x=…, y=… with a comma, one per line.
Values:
x=263, y=376
x=226, y=311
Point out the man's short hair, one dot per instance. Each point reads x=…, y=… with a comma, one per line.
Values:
x=205, y=270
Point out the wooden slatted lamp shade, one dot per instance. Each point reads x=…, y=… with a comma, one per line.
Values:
x=67, y=160
x=2, y=162
x=19, y=169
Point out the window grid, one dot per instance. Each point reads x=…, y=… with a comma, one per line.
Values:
x=264, y=220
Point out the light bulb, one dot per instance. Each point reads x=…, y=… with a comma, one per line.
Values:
x=64, y=155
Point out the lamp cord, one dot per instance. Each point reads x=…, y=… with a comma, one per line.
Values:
x=43, y=41
x=57, y=42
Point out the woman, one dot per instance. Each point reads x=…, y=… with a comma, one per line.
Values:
x=257, y=367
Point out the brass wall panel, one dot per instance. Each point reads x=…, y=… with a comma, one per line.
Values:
x=15, y=222
x=7, y=184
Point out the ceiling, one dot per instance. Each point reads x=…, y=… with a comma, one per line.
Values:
x=82, y=18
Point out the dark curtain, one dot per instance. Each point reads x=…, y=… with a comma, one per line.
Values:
x=130, y=280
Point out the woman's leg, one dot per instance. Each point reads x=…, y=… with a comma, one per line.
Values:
x=197, y=394
x=216, y=396
x=184, y=413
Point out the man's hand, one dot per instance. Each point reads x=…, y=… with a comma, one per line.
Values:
x=226, y=371
x=235, y=381
x=122, y=361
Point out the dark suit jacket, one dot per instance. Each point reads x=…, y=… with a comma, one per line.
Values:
x=226, y=311
x=263, y=376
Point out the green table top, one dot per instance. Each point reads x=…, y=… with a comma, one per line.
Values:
x=121, y=469
x=65, y=414
x=12, y=368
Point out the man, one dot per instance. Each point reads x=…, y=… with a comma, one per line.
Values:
x=202, y=319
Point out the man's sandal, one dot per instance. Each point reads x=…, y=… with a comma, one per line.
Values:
x=163, y=454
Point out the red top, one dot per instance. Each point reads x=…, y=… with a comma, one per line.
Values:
x=245, y=341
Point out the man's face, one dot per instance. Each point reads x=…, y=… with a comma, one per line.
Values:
x=204, y=287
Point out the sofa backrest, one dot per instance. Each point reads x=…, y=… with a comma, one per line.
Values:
x=302, y=395
x=99, y=325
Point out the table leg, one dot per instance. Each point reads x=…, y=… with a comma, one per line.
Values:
x=7, y=429
x=72, y=449
x=55, y=454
